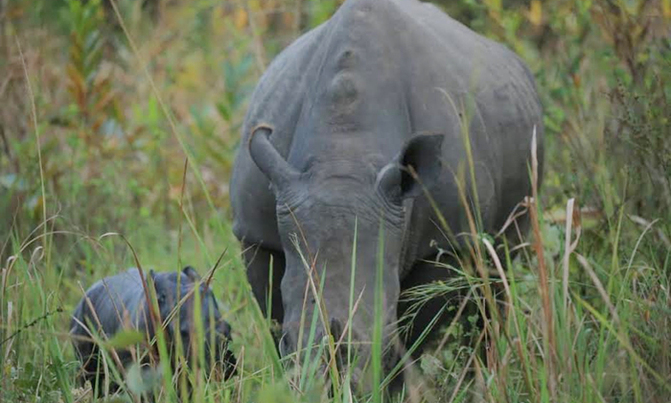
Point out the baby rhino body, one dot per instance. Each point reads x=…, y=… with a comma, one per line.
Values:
x=119, y=302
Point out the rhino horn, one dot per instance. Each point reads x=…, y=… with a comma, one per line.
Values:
x=268, y=159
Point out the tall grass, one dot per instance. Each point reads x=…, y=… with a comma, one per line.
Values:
x=95, y=130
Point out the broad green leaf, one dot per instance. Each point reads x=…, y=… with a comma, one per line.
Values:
x=125, y=339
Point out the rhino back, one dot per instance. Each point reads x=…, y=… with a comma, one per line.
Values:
x=377, y=73
x=113, y=299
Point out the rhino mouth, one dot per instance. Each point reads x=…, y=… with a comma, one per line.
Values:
x=342, y=357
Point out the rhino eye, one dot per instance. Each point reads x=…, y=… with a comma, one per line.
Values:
x=160, y=298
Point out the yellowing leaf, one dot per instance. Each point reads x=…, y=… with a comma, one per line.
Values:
x=666, y=8
x=240, y=18
x=190, y=74
x=536, y=12
x=576, y=80
x=219, y=15
x=494, y=9
x=494, y=5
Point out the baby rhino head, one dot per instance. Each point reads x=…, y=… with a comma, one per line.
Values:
x=194, y=322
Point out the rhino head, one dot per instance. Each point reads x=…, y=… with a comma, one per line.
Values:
x=317, y=210
x=176, y=290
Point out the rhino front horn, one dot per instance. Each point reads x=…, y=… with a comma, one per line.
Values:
x=268, y=159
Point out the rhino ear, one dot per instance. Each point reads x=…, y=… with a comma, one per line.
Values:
x=191, y=273
x=416, y=167
x=270, y=162
x=160, y=295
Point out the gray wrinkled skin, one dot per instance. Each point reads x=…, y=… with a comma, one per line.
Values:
x=331, y=130
x=119, y=303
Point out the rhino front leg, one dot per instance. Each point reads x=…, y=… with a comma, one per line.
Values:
x=258, y=261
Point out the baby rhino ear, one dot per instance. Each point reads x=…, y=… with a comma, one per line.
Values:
x=191, y=273
x=158, y=287
x=152, y=274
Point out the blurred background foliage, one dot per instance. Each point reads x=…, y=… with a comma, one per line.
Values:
x=118, y=108
x=110, y=155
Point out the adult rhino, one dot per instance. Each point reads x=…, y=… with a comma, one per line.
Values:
x=332, y=130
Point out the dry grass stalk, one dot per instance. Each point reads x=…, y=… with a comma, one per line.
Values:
x=544, y=280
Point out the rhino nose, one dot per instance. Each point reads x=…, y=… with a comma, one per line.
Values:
x=348, y=346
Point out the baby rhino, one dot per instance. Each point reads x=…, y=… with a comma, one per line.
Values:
x=118, y=303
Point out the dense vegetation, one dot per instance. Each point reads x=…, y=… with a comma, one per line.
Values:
x=118, y=127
